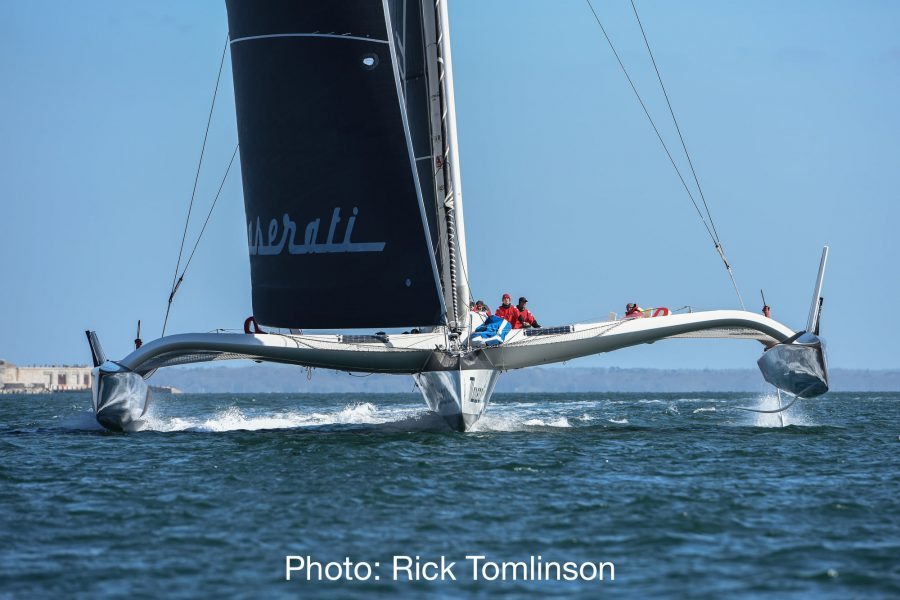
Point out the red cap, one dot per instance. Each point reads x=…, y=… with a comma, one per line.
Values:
x=506, y=297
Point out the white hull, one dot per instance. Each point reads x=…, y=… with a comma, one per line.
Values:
x=417, y=353
x=459, y=396
x=456, y=380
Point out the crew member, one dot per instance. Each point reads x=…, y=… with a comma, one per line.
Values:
x=526, y=317
x=633, y=311
x=481, y=308
x=508, y=311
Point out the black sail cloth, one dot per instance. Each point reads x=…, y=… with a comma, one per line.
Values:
x=336, y=223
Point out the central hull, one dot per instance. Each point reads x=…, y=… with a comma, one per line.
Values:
x=459, y=396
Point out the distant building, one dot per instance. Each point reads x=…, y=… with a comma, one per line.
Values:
x=15, y=379
x=165, y=389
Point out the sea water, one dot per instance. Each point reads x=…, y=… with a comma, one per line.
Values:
x=684, y=494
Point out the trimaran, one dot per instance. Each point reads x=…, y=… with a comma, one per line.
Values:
x=351, y=179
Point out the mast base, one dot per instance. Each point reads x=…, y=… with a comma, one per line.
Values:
x=459, y=396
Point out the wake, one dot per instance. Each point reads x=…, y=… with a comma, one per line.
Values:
x=360, y=414
x=503, y=417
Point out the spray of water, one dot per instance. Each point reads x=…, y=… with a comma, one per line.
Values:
x=513, y=420
x=773, y=402
x=526, y=415
x=238, y=419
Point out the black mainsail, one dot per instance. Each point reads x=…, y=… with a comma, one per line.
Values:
x=342, y=114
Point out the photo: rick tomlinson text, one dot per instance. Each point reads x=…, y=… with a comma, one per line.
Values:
x=474, y=567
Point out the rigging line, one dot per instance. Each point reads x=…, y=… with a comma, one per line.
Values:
x=209, y=214
x=713, y=236
x=735, y=285
x=652, y=123
x=194, y=191
x=675, y=121
x=712, y=223
x=180, y=279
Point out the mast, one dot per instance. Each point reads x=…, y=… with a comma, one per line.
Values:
x=457, y=266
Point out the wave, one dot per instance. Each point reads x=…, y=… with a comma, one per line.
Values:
x=81, y=421
x=516, y=421
x=237, y=419
x=370, y=414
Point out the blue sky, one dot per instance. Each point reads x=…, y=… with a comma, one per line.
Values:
x=789, y=110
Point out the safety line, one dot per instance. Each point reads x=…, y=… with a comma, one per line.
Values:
x=187, y=220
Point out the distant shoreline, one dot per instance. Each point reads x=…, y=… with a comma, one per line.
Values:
x=289, y=379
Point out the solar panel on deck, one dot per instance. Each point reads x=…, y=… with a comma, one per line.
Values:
x=549, y=330
x=364, y=339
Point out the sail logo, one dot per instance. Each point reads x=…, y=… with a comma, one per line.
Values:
x=275, y=244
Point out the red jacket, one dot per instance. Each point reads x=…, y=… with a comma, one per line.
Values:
x=510, y=313
x=525, y=316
